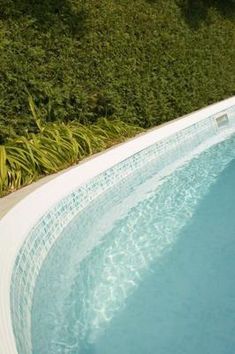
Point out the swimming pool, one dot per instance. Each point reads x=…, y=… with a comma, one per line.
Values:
x=95, y=266
x=148, y=268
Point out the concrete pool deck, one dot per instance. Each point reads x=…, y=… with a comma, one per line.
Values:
x=9, y=201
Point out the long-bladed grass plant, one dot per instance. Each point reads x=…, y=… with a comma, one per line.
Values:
x=55, y=147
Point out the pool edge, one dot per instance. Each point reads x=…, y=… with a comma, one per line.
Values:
x=13, y=223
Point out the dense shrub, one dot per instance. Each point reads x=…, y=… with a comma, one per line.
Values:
x=144, y=61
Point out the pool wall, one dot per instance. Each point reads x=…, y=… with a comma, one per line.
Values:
x=30, y=229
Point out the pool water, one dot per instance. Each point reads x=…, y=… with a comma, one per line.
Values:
x=186, y=301
x=148, y=268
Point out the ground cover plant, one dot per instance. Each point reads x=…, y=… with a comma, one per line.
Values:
x=142, y=61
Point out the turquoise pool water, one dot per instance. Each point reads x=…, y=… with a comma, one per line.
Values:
x=148, y=268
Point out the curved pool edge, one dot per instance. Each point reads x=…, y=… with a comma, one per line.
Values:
x=14, y=230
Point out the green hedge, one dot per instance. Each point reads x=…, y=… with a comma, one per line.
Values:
x=142, y=61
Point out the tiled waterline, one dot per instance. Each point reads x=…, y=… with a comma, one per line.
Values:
x=48, y=229
x=16, y=225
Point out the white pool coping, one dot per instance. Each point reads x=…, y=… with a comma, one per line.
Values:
x=19, y=220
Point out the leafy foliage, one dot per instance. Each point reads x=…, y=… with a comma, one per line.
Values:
x=57, y=146
x=143, y=61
